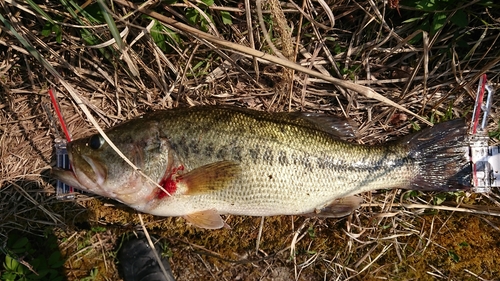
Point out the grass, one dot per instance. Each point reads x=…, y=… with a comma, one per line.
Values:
x=34, y=258
x=114, y=63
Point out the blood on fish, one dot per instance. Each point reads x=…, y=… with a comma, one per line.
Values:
x=169, y=183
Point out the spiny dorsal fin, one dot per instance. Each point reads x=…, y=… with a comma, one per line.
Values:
x=210, y=177
x=338, y=127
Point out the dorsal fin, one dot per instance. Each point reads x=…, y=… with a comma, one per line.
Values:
x=338, y=127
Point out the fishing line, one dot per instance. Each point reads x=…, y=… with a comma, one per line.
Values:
x=57, y=109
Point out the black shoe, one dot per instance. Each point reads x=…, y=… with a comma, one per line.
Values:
x=138, y=263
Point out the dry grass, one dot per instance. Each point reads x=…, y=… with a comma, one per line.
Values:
x=394, y=236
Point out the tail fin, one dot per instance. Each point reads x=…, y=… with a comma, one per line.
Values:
x=441, y=153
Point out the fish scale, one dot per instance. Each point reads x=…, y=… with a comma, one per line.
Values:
x=245, y=162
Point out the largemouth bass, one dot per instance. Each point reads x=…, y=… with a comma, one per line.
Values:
x=206, y=161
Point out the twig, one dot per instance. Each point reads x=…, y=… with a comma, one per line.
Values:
x=444, y=208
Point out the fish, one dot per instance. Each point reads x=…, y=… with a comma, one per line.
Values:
x=202, y=162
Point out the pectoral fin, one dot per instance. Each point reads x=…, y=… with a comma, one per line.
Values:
x=208, y=219
x=211, y=177
x=340, y=207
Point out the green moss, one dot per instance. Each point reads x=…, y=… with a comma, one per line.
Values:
x=422, y=242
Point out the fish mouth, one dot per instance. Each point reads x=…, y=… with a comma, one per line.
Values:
x=86, y=173
x=66, y=176
x=98, y=172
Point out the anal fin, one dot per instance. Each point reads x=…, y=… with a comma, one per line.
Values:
x=338, y=208
x=209, y=219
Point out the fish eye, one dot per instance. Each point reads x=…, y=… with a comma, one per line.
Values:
x=95, y=141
